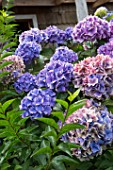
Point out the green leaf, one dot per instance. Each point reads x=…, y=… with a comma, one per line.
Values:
x=5, y=55
x=3, y=74
x=13, y=115
x=7, y=104
x=4, y=123
x=4, y=64
x=65, y=148
x=44, y=150
x=69, y=127
x=59, y=115
x=75, y=106
x=5, y=166
x=49, y=121
x=22, y=121
x=7, y=92
x=50, y=133
x=74, y=95
x=108, y=102
x=17, y=167
x=63, y=103
x=110, y=168
x=2, y=116
x=65, y=159
x=58, y=165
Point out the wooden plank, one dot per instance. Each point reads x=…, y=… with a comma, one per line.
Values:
x=99, y=2
x=51, y=2
x=34, y=2
x=81, y=9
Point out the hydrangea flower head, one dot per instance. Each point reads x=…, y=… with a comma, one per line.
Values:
x=101, y=12
x=90, y=29
x=56, y=75
x=28, y=51
x=97, y=134
x=25, y=83
x=15, y=69
x=55, y=35
x=65, y=54
x=34, y=34
x=95, y=76
x=106, y=49
x=38, y=103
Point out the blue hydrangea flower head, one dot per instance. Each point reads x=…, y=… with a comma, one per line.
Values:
x=97, y=134
x=38, y=103
x=56, y=75
x=34, y=34
x=65, y=54
x=25, y=83
x=28, y=51
x=91, y=28
x=55, y=35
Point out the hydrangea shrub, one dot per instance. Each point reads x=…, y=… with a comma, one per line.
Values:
x=56, y=97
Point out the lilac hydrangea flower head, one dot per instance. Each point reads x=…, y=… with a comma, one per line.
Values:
x=56, y=75
x=28, y=51
x=65, y=54
x=15, y=69
x=106, y=49
x=34, y=34
x=55, y=35
x=90, y=29
x=97, y=134
x=25, y=83
x=95, y=76
x=38, y=103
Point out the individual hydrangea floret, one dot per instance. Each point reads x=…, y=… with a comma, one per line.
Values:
x=55, y=35
x=95, y=76
x=15, y=69
x=38, y=103
x=25, y=83
x=90, y=29
x=97, y=133
x=28, y=51
x=65, y=54
x=106, y=49
x=34, y=34
x=56, y=75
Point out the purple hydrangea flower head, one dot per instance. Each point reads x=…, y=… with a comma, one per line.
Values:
x=28, y=51
x=106, y=49
x=25, y=83
x=95, y=76
x=65, y=54
x=97, y=133
x=56, y=75
x=55, y=35
x=15, y=69
x=38, y=103
x=34, y=34
x=90, y=29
